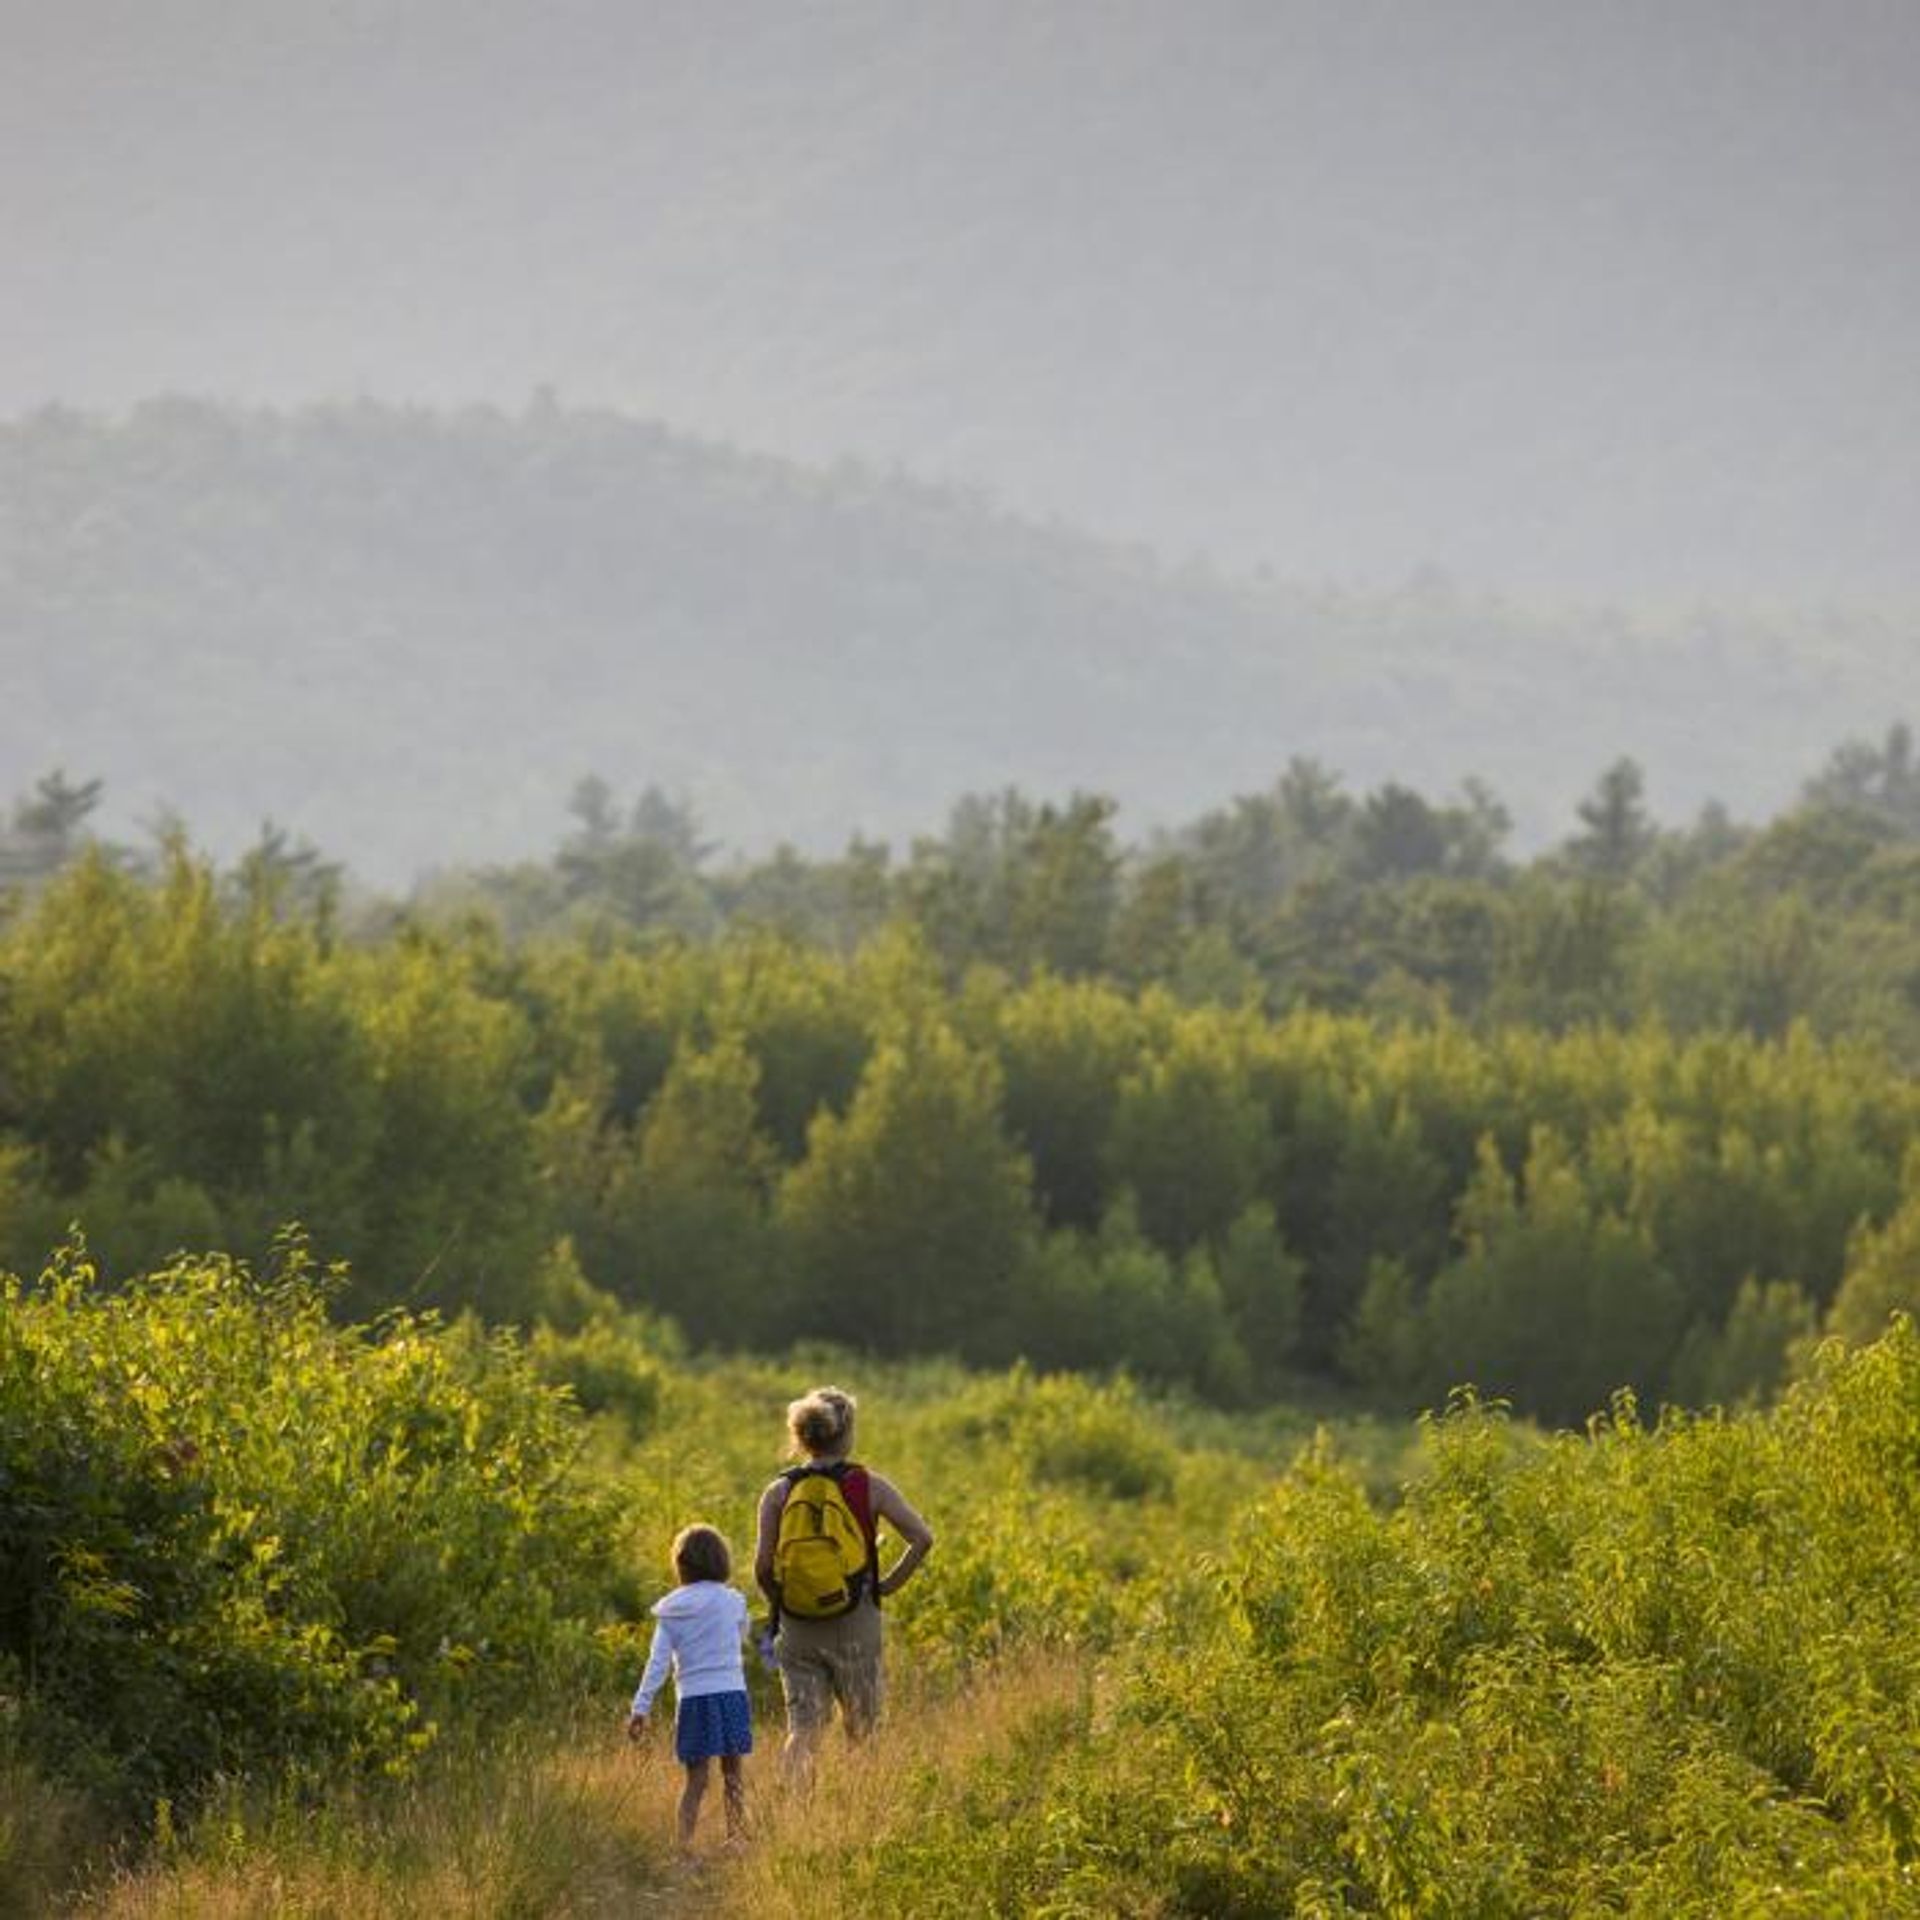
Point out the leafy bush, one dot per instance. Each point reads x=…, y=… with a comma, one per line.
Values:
x=1061, y=1430
x=604, y=1366
x=1666, y=1670
x=241, y=1538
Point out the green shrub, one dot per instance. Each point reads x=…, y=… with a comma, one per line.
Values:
x=605, y=1367
x=1062, y=1430
x=240, y=1538
x=1664, y=1670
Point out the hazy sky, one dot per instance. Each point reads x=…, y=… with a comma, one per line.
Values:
x=1595, y=296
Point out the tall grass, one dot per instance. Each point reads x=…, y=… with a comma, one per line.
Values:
x=533, y=1827
x=575, y=1828
x=44, y=1831
x=875, y=1814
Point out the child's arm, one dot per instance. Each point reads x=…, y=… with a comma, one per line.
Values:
x=659, y=1659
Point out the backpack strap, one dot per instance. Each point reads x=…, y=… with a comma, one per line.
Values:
x=857, y=1484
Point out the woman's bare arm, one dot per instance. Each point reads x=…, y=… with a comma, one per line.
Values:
x=766, y=1535
x=890, y=1505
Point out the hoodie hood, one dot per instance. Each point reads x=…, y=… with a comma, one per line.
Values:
x=681, y=1602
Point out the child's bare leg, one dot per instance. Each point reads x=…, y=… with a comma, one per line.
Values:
x=691, y=1796
x=734, y=1785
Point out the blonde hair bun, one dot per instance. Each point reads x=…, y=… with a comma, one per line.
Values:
x=822, y=1421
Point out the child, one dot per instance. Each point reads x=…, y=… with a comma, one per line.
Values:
x=701, y=1624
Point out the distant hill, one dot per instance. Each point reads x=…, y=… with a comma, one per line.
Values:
x=1578, y=300
x=406, y=634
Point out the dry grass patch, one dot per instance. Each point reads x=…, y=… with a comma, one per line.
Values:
x=578, y=1831
x=929, y=1755
x=585, y=1830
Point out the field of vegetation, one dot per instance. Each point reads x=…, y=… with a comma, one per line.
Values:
x=1144, y=1227
x=336, y=1620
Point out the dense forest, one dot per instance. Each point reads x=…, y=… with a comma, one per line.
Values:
x=406, y=632
x=1318, y=1087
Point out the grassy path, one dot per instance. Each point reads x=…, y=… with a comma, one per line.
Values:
x=585, y=1831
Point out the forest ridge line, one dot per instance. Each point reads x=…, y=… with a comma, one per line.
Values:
x=405, y=633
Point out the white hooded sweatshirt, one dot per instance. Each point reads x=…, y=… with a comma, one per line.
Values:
x=698, y=1632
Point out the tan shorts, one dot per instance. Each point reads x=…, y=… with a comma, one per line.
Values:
x=827, y=1661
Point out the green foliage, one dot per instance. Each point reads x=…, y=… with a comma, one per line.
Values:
x=1061, y=914
x=769, y=1142
x=1261, y=1288
x=684, y=1224
x=909, y=1218
x=454, y=1213
x=242, y=1539
x=1551, y=1295
x=1883, y=1269
x=1651, y=1671
x=1660, y=1669
x=1379, y=1194
x=1113, y=1299
x=808, y=1024
x=1565, y=953
x=606, y=1369
x=1064, y=1049
x=1191, y=1140
x=1026, y=887
x=1386, y=1340
x=156, y=1038
x=191, y=1073
x=1770, y=1323
x=641, y=871
x=1062, y=1430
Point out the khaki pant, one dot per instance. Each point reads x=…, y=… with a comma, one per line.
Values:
x=824, y=1661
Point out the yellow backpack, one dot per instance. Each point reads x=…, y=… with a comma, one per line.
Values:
x=823, y=1554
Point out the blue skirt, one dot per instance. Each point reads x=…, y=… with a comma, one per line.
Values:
x=710, y=1724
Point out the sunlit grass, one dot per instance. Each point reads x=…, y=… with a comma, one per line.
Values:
x=584, y=1829
x=579, y=1828
x=926, y=1759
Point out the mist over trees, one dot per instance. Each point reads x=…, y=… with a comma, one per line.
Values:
x=1531, y=292
x=404, y=634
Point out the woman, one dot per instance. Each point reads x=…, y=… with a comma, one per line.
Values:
x=836, y=1659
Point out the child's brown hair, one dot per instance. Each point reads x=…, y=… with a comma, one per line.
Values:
x=700, y=1552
